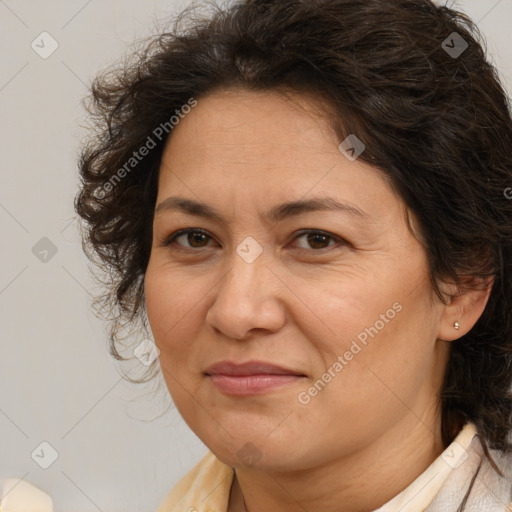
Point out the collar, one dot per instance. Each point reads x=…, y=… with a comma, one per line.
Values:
x=207, y=486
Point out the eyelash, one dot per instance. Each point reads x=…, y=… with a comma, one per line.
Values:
x=182, y=232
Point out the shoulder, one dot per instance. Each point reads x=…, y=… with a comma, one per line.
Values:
x=205, y=487
x=476, y=477
x=493, y=492
x=502, y=484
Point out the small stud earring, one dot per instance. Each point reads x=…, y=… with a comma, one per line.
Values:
x=456, y=325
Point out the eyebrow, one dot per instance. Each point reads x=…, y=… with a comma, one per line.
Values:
x=275, y=214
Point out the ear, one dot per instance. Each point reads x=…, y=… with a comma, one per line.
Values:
x=464, y=307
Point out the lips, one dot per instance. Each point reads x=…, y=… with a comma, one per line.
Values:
x=249, y=368
x=251, y=378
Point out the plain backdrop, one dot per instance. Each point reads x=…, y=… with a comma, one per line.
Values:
x=116, y=447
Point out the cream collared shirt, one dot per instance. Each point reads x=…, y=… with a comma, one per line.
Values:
x=440, y=488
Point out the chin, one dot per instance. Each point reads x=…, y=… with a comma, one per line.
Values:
x=257, y=450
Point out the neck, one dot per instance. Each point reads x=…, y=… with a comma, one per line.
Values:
x=360, y=482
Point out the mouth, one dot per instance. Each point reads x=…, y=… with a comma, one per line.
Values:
x=251, y=378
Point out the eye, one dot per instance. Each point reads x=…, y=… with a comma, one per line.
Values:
x=317, y=240
x=193, y=238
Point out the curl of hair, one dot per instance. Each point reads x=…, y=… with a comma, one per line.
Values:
x=439, y=127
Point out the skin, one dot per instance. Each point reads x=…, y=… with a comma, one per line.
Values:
x=375, y=426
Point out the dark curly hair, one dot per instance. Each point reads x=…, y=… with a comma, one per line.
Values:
x=428, y=106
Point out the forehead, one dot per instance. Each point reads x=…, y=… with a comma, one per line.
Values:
x=246, y=146
x=238, y=121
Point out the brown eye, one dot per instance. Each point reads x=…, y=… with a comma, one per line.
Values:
x=317, y=240
x=190, y=238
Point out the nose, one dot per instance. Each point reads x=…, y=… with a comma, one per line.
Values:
x=248, y=300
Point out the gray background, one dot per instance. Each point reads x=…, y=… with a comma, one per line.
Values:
x=117, y=449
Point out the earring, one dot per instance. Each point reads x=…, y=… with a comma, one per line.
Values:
x=456, y=325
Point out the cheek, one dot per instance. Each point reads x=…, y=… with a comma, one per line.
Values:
x=368, y=331
x=342, y=307
x=370, y=371
x=174, y=309
x=173, y=306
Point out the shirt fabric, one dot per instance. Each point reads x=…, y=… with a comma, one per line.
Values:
x=440, y=488
x=18, y=495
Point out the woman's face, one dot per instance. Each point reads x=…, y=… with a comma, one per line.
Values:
x=337, y=297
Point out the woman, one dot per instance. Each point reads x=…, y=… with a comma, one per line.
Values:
x=307, y=203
